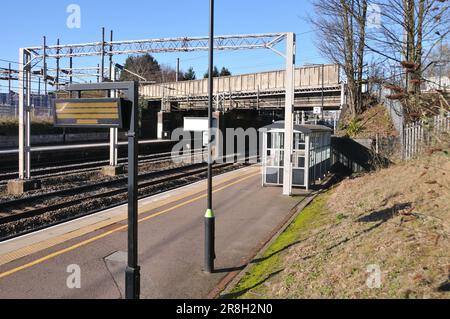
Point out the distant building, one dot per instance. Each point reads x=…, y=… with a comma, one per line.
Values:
x=432, y=83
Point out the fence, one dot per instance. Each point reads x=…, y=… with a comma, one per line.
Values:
x=419, y=134
x=394, y=107
x=13, y=111
x=40, y=105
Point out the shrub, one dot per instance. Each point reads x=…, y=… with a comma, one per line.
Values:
x=354, y=127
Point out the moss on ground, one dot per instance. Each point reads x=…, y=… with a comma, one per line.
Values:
x=251, y=285
x=396, y=220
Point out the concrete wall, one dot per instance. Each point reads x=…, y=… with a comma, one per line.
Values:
x=306, y=77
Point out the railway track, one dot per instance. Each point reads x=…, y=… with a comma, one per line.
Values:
x=43, y=210
x=86, y=167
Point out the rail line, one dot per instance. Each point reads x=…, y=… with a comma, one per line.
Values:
x=64, y=205
x=89, y=166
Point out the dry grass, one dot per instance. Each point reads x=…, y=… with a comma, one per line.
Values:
x=397, y=218
x=373, y=121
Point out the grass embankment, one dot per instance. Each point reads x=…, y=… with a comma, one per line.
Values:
x=375, y=120
x=270, y=263
x=396, y=220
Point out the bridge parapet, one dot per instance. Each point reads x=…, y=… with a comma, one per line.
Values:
x=306, y=78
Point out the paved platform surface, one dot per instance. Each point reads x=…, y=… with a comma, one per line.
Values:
x=170, y=243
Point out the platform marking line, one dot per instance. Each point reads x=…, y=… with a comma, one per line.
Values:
x=45, y=244
x=90, y=240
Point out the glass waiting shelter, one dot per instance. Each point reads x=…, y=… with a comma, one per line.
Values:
x=311, y=154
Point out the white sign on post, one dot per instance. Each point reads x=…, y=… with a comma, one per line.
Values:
x=196, y=124
x=317, y=110
x=199, y=124
x=205, y=139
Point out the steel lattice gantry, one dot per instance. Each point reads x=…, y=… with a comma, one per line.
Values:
x=32, y=56
x=163, y=45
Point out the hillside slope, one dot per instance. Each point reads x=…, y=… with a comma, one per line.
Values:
x=396, y=220
x=375, y=120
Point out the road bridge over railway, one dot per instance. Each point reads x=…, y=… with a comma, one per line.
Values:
x=263, y=90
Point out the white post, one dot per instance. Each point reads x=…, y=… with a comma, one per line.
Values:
x=405, y=142
x=113, y=132
x=343, y=101
x=288, y=118
x=28, y=119
x=113, y=145
x=307, y=157
x=21, y=117
x=24, y=115
x=264, y=158
x=160, y=126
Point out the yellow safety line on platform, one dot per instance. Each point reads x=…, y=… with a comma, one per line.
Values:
x=45, y=244
x=90, y=240
x=34, y=248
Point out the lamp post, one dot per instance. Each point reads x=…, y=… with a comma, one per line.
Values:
x=209, y=218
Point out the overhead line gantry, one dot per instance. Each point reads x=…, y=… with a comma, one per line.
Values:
x=30, y=57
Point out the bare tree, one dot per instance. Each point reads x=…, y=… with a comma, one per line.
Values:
x=341, y=37
x=400, y=45
x=409, y=32
x=438, y=62
x=149, y=68
x=167, y=74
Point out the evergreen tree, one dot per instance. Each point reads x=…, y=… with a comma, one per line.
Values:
x=215, y=73
x=189, y=75
x=225, y=72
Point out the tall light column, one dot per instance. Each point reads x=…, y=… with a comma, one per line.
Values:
x=209, y=218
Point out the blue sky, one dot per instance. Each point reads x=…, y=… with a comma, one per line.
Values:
x=24, y=23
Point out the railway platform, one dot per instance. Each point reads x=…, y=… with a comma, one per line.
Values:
x=43, y=264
